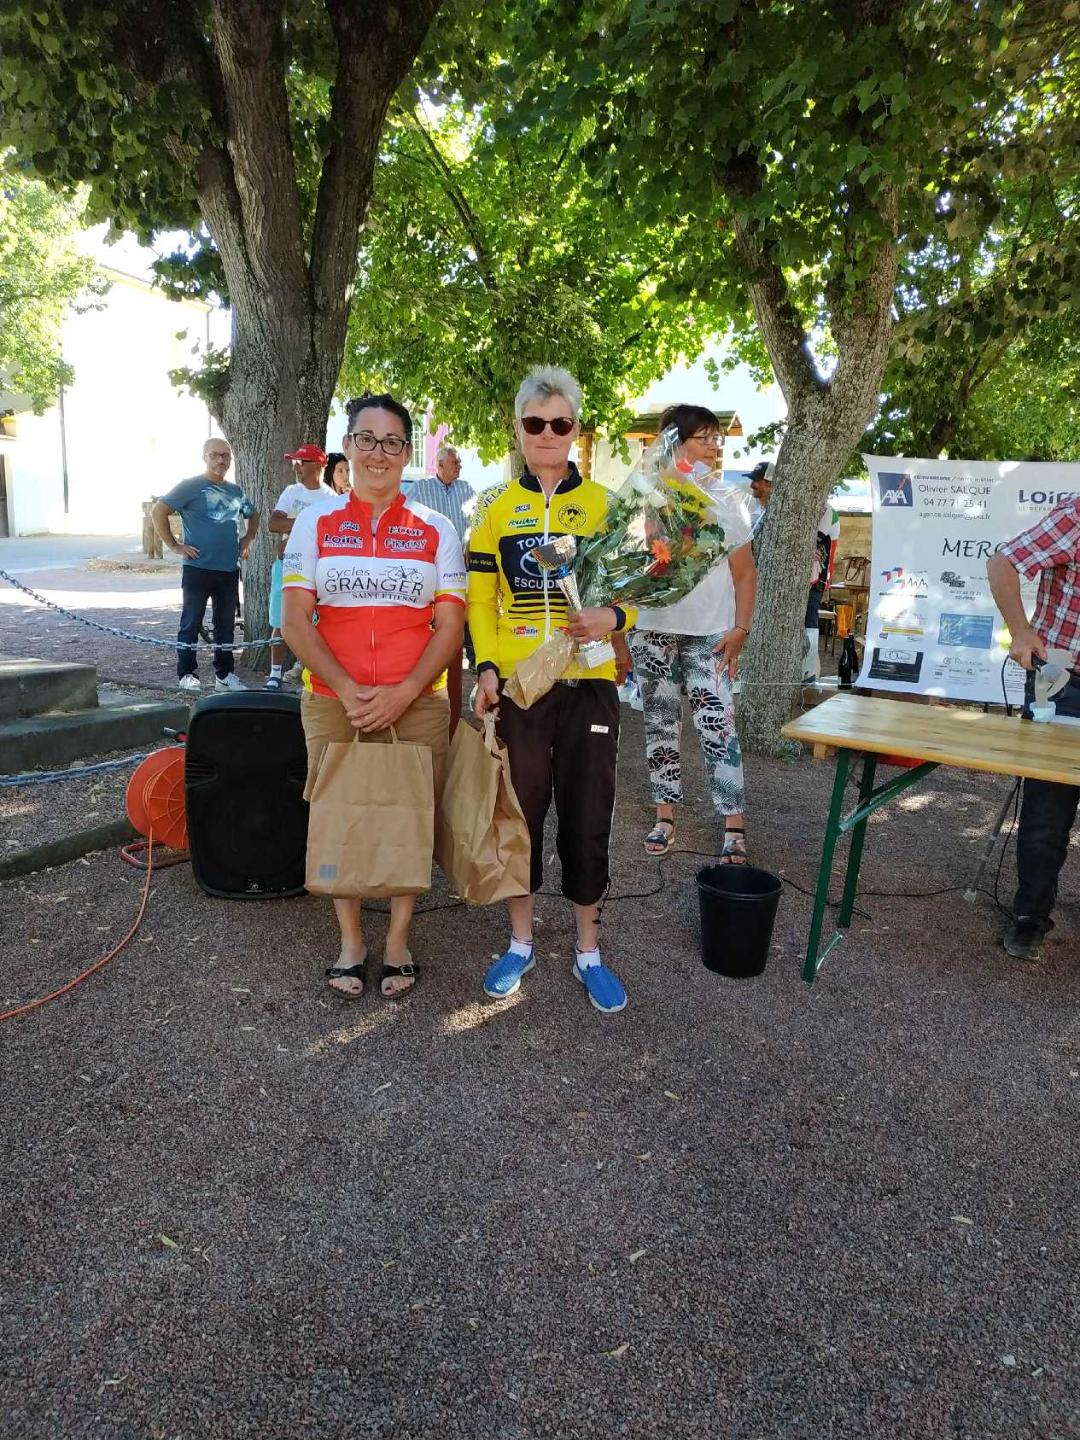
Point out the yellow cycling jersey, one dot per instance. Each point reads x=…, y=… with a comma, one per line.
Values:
x=513, y=605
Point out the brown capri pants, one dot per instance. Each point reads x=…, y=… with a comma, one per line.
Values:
x=425, y=722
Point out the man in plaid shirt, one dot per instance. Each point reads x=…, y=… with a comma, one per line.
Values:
x=1051, y=550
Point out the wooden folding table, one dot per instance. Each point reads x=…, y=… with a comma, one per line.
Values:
x=934, y=735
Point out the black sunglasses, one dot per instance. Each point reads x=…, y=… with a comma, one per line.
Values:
x=533, y=425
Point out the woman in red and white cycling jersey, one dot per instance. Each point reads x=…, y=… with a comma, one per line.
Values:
x=388, y=579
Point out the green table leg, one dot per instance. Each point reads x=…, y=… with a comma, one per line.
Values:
x=828, y=850
x=855, y=823
x=858, y=835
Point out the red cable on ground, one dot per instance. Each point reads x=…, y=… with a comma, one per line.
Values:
x=44, y=1000
x=132, y=852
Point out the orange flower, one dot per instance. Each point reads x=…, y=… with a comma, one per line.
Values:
x=661, y=551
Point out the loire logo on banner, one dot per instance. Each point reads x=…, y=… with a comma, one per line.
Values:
x=894, y=490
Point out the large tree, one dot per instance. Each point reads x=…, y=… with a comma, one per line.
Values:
x=984, y=357
x=42, y=274
x=258, y=121
x=815, y=144
x=487, y=252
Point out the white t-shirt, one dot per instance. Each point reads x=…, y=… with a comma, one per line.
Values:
x=296, y=498
x=709, y=609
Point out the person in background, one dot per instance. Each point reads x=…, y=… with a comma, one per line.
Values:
x=336, y=473
x=1049, y=549
x=825, y=542
x=449, y=495
x=388, y=577
x=210, y=508
x=761, y=478
x=309, y=463
x=566, y=745
x=692, y=648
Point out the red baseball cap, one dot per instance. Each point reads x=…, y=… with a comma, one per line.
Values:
x=308, y=452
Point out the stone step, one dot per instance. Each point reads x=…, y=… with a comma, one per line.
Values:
x=41, y=687
x=50, y=742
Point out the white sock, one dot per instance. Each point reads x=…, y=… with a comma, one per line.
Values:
x=587, y=957
x=275, y=672
x=520, y=947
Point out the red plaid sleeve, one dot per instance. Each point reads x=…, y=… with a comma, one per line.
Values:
x=1054, y=541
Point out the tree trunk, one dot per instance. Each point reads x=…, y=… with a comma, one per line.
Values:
x=817, y=443
x=268, y=412
x=290, y=296
x=826, y=420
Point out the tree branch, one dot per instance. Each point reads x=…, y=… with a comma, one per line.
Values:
x=376, y=45
x=465, y=213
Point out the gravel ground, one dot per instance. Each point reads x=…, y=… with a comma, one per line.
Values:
x=236, y=1207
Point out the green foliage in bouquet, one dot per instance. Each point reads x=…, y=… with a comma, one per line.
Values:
x=661, y=536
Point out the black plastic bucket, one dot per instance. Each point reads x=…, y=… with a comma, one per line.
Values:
x=738, y=908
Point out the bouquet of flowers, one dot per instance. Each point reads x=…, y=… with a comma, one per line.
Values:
x=666, y=527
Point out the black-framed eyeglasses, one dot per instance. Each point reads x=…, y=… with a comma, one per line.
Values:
x=365, y=440
x=533, y=425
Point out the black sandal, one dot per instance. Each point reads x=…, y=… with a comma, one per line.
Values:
x=657, y=838
x=734, y=847
x=393, y=972
x=348, y=972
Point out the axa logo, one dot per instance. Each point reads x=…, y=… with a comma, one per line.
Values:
x=894, y=489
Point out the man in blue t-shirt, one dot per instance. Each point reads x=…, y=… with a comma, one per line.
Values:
x=210, y=508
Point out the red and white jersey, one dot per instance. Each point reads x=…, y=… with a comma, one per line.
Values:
x=375, y=586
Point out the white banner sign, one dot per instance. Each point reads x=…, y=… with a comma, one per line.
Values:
x=932, y=627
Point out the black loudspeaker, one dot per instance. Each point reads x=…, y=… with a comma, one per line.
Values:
x=244, y=785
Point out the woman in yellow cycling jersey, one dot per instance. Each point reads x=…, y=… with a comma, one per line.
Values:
x=564, y=746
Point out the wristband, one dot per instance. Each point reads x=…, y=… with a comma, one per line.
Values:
x=743, y=628
x=620, y=617
x=487, y=665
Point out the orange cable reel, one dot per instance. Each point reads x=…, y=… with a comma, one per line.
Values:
x=155, y=801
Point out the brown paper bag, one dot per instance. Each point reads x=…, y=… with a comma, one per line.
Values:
x=534, y=676
x=483, y=840
x=371, y=826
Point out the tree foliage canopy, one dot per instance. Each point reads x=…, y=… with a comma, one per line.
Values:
x=255, y=121
x=488, y=251
x=812, y=149
x=42, y=273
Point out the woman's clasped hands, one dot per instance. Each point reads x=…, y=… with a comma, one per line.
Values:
x=377, y=707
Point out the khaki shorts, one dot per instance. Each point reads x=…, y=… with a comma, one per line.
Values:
x=425, y=722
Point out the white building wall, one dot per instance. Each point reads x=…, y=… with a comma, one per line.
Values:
x=129, y=434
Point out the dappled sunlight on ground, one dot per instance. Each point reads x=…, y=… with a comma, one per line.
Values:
x=352, y=1030
x=472, y=1017
x=94, y=599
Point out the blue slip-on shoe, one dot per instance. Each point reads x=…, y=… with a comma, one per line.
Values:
x=504, y=977
x=603, y=986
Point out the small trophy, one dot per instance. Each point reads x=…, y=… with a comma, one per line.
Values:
x=556, y=559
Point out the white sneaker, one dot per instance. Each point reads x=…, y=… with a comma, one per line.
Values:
x=189, y=682
x=294, y=672
x=230, y=682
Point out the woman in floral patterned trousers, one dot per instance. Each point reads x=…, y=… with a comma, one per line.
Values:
x=692, y=648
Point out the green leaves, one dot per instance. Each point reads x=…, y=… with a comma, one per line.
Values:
x=42, y=273
x=513, y=258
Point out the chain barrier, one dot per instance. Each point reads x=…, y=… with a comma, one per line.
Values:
x=127, y=634
x=48, y=777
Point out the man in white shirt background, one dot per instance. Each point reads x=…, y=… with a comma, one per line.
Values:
x=306, y=489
